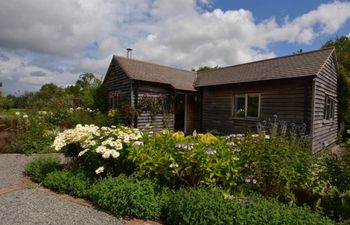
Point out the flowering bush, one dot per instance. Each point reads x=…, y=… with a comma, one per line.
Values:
x=97, y=148
x=200, y=159
x=33, y=133
x=273, y=164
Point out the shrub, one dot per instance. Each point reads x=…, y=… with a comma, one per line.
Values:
x=126, y=196
x=201, y=159
x=38, y=169
x=98, y=149
x=273, y=164
x=203, y=206
x=68, y=182
x=328, y=186
x=33, y=134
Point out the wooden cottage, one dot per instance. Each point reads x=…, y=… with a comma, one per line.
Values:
x=300, y=89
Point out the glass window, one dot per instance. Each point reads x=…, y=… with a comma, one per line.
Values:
x=329, y=105
x=246, y=105
x=239, y=109
x=253, y=106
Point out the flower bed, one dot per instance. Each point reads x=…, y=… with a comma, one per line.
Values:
x=273, y=165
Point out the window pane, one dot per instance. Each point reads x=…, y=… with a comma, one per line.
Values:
x=253, y=106
x=239, y=106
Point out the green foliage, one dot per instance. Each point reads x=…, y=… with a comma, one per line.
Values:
x=38, y=169
x=329, y=184
x=73, y=182
x=342, y=47
x=6, y=102
x=127, y=196
x=33, y=134
x=277, y=162
x=202, y=206
x=206, y=68
x=176, y=160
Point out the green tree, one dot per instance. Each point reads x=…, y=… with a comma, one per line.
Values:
x=342, y=47
x=6, y=102
x=205, y=68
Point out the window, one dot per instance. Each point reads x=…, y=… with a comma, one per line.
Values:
x=113, y=99
x=329, y=105
x=246, y=106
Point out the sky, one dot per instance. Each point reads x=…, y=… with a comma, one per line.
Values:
x=55, y=41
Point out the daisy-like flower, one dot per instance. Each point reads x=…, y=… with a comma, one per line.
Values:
x=174, y=165
x=138, y=143
x=99, y=170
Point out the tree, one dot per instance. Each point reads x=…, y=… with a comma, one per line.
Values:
x=342, y=47
x=205, y=68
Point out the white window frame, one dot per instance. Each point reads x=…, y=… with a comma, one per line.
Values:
x=245, y=105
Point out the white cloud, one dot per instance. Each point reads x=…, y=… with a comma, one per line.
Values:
x=74, y=36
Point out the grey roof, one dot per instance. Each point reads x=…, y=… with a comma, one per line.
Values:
x=298, y=65
x=292, y=66
x=145, y=71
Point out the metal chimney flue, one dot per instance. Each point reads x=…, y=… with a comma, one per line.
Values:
x=129, y=53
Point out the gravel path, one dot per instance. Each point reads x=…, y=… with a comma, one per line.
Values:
x=31, y=206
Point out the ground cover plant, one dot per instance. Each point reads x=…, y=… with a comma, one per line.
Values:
x=39, y=168
x=204, y=207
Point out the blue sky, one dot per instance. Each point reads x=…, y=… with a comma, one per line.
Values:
x=56, y=41
x=281, y=9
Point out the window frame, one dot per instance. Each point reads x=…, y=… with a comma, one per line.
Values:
x=113, y=99
x=329, y=115
x=245, y=95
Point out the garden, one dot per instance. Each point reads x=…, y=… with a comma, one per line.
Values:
x=269, y=177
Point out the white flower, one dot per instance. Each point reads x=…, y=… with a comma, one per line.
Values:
x=174, y=165
x=138, y=143
x=106, y=155
x=17, y=113
x=99, y=170
x=114, y=154
x=25, y=116
x=267, y=136
x=255, y=135
x=83, y=152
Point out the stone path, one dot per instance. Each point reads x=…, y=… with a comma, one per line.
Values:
x=25, y=203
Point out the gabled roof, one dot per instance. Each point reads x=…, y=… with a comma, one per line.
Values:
x=298, y=65
x=291, y=66
x=145, y=71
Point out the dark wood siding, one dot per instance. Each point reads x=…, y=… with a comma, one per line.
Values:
x=325, y=132
x=117, y=80
x=284, y=98
x=159, y=121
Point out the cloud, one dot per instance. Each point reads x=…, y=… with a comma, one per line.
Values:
x=228, y=37
x=37, y=74
x=65, y=38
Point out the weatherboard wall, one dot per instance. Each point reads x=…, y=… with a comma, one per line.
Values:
x=325, y=131
x=288, y=99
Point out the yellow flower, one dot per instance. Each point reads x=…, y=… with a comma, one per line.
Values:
x=207, y=138
x=179, y=135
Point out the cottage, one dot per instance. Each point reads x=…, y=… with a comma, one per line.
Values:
x=300, y=89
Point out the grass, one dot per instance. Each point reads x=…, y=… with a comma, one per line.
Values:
x=11, y=111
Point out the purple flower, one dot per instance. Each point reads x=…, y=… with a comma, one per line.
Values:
x=210, y=151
